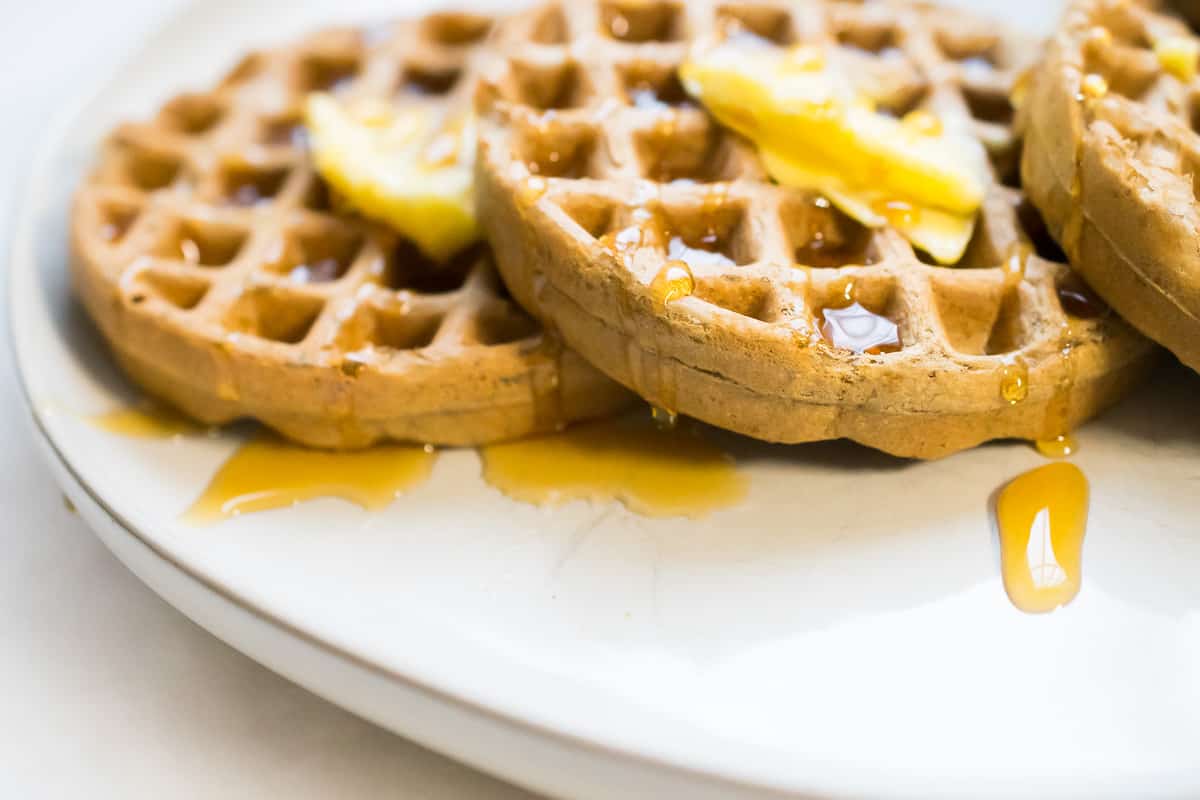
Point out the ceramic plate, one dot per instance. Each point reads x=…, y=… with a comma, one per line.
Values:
x=842, y=632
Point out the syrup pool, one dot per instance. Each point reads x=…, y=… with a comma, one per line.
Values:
x=147, y=420
x=655, y=471
x=267, y=473
x=1041, y=517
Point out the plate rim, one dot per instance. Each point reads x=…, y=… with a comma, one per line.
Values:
x=616, y=759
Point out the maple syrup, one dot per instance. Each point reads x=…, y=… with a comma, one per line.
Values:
x=1092, y=87
x=1079, y=302
x=1061, y=446
x=655, y=472
x=267, y=473
x=673, y=281
x=1041, y=517
x=923, y=122
x=533, y=189
x=858, y=329
x=147, y=420
x=898, y=213
x=1014, y=382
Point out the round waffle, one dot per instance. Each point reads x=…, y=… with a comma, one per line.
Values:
x=595, y=171
x=207, y=251
x=1111, y=160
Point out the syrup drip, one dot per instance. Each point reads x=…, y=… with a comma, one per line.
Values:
x=898, y=213
x=923, y=123
x=653, y=472
x=860, y=330
x=147, y=420
x=673, y=281
x=268, y=473
x=1014, y=382
x=1093, y=87
x=664, y=418
x=1061, y=446
x=1079, y=302
x=1042, y=519
x=533, y=189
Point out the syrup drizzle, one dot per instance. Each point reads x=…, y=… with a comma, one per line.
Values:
x=654, y=471
x=267, y=473
x=1042, y=519
x=1061, y=446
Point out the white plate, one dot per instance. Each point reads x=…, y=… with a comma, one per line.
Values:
x=843, y=632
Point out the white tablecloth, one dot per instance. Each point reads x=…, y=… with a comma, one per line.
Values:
x=107, y=691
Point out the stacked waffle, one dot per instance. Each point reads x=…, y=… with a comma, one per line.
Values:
x=647, y=239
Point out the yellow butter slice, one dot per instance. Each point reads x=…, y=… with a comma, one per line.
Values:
x=815, y=130
x=411, y=169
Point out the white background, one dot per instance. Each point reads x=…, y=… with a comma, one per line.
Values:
x=107, y=691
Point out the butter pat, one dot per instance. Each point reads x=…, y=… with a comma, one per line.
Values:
x=411, y=169
x=815, y=130
x=1178, y=55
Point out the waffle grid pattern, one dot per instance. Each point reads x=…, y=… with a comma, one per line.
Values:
x=590, y=134
x=210, y=222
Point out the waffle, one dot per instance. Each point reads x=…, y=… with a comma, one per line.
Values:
x=1111, y=161
x=226, y=282
x=594, y=166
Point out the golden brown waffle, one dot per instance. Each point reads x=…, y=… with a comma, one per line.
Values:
x=207, y=251
x=592, y=161
x=1111, y=160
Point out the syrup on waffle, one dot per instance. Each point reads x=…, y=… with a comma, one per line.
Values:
x=207, y=251
x=1111, y=160
x=652, y=238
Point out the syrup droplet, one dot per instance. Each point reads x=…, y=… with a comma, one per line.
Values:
x=1060, y=446
x=267, y=473
x=673, y=281
x=533, y=189
x=1014, y=382
x=898, y=213
x=664, y=418
x=1042, y=519
x=1079, y=302
x=147, y=420
x=1099, y=37
x=860, y=330
x=655, y=473
x=923, y=122
x=1093, y=86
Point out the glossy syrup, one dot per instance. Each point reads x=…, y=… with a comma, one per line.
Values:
x=147, y=420
x=1041, y=517
x=654, y=471
x=267, y=473
x=860, y=330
